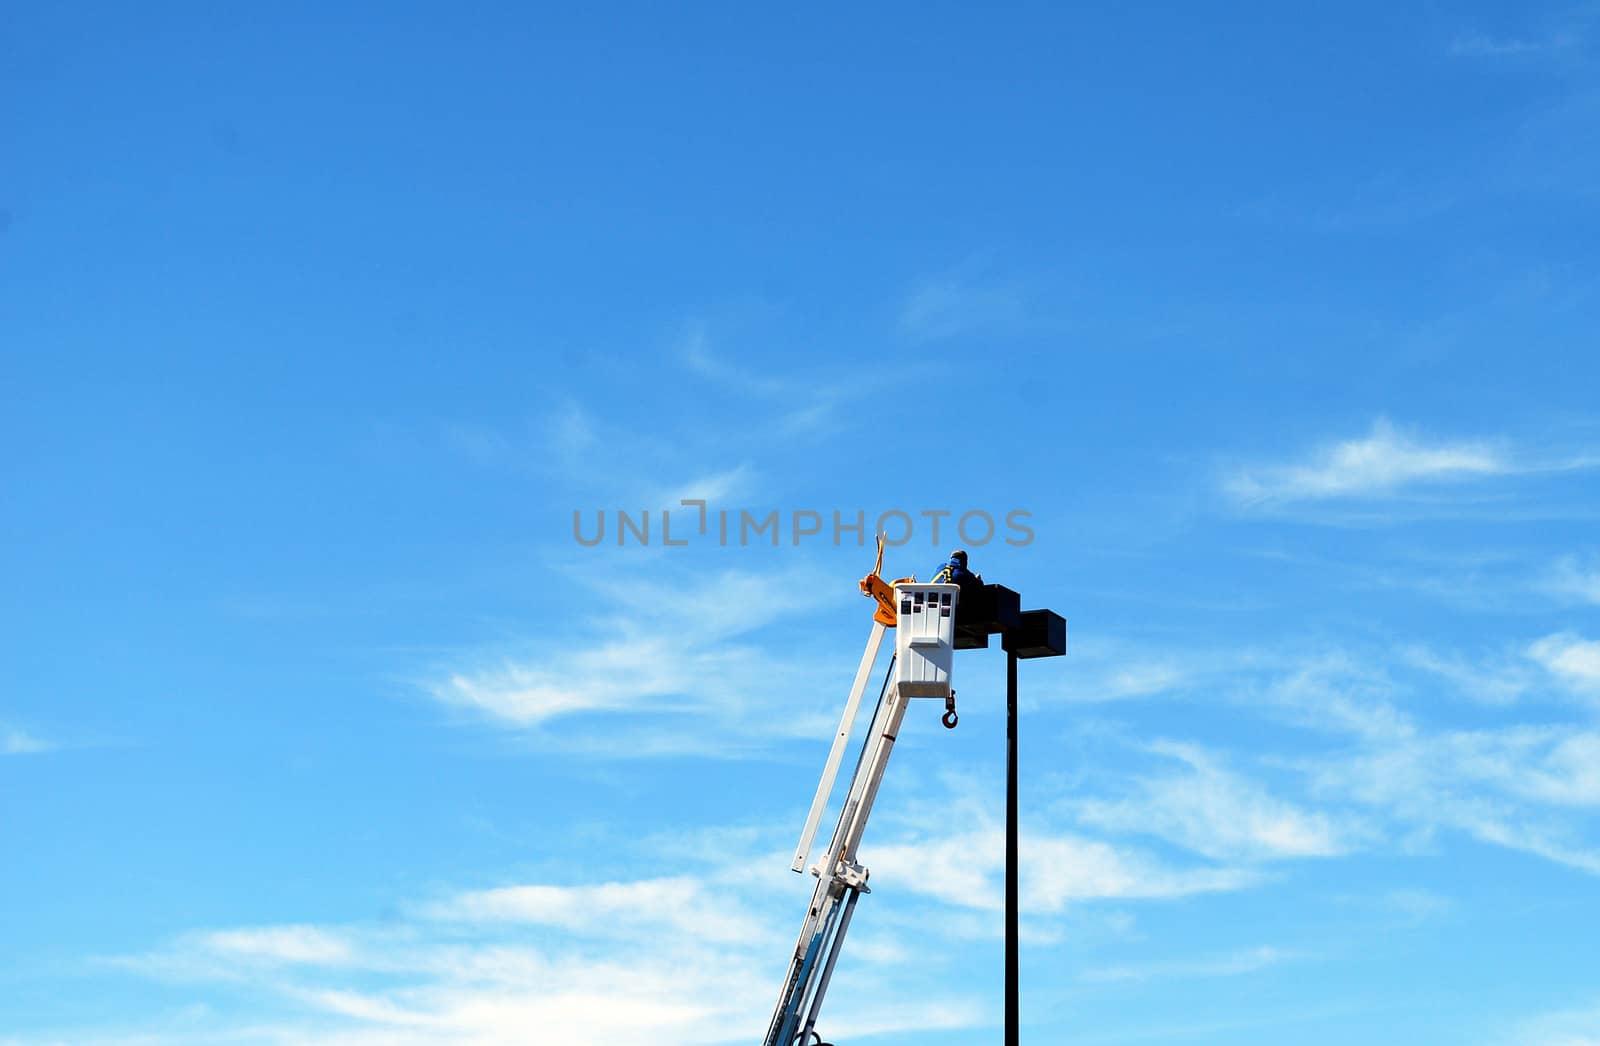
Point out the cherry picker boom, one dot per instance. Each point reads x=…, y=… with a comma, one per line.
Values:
x=923, y=616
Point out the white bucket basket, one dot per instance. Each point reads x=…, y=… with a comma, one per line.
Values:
x=924, y=638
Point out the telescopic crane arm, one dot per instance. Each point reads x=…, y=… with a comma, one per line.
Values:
x=923, y=617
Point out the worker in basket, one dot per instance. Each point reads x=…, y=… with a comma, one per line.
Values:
x=955, y=572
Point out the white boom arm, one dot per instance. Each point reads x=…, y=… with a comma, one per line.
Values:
x=921, y=668
x=830, y=769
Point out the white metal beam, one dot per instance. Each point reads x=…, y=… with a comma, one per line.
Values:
x=830, y=770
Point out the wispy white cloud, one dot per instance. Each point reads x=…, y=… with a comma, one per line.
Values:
x=1575, y=579
x=1496, y=680
x=1212, y=811
x=1146, y=679
x=14, y=741
x=714, y=488
x=1075, y=869
x=1392, y=474
x=480, y=444
x=610, y=675
x=1572, y=660
x=1550, y=765
x=602, y=463
x=1232, y=964
x=564, y=436
x=679, y=904
x=1385, y=197
x=698, y=358
x=1106, y=669
x=801, y=403
x=1576, y=1026
x=677, y=960
x=680, y=655
x=1410, y=905
x=1506, y=787
x=1336, y=692
x=1383, y=461
x=964, y=868
x=285, y=944
x=953, y=306
x=1517, y=786
x=430, y=986
x=570, y=430
x=1482, y=45
x=1373, y=773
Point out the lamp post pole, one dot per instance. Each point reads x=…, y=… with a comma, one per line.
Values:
x=1029, y=634
x=996, y=610
x=1011, y=849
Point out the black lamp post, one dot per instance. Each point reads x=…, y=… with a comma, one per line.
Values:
x=1023, y=634
x=1042, y=633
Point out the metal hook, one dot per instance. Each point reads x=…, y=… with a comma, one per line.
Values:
x=950, y=719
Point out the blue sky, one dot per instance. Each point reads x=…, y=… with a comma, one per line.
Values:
x=318, y=726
